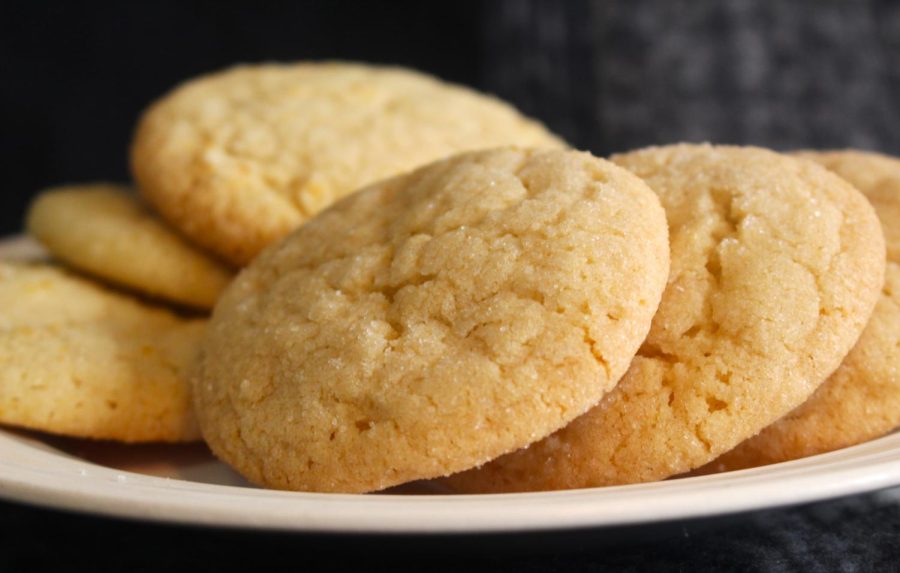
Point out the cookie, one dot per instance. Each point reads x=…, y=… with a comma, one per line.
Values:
x=237, y=159
x=106, y=231
x=776, y=266
x=84, y=361
x=433, y=321
x=861, y=400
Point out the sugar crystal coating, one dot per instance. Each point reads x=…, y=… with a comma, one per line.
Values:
x=776, y=266
x=433, y=321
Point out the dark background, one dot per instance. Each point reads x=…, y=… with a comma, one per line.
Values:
x=606, y=75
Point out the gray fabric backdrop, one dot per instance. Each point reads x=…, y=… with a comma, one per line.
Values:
x=616, y=75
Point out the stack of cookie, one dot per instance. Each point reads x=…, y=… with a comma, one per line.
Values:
x=433, y=286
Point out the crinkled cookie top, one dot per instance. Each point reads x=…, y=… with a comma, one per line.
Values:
x=776, y=266
x=433, y=321
x=861, y=400
x=238, y=158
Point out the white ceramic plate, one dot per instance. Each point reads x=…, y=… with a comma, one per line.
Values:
x=185, y=484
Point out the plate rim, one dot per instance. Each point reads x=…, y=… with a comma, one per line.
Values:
x=74, y=484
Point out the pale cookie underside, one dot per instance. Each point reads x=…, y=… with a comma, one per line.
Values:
x=861, y=400
x=104, y=230
x=83, y=361
x=433, y=321
x=776, y=265
x=237, y=159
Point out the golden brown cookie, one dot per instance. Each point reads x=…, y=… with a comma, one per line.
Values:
x=84, y=361
x=433, y=321
x=104, y=230
x=238, y=158
x=776, y=266
x=861, y=400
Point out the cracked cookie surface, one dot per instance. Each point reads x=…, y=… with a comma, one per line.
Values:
x=104, y=230
x=776, y=265
x=237, y=159
x=84, y=361
x=861, y=400
x=433, y=321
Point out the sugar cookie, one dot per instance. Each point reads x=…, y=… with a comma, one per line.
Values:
x=433, y=321
x=84, y=361
x=104, y=230
x=237, y=159
x=861, y=400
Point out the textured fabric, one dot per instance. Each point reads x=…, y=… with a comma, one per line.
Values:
x=616, y=75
